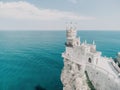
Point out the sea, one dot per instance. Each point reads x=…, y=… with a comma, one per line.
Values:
x=31, y=60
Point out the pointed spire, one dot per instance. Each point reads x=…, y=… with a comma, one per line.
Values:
x=85, y=41
x=93, y=42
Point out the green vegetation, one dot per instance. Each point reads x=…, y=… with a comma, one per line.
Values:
x=89, y=82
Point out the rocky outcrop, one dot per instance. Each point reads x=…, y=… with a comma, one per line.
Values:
x=72, y=77
x=102, y=72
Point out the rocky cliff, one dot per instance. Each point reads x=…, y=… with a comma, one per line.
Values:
x=73, y=78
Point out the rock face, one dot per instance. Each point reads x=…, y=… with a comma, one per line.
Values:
x=72, y=77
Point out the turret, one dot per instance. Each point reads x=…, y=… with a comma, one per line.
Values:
x=71, y=33
x=71, y=36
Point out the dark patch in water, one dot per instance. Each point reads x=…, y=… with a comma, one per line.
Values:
x=38, y=87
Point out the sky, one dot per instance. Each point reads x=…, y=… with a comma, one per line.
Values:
x=55, y=14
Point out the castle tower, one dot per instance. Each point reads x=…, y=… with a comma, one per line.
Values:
x=73, y=76
x=71, y=36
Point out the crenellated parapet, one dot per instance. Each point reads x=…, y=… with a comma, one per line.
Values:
x=71, y=36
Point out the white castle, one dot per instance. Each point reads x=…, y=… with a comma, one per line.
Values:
x=102, y=72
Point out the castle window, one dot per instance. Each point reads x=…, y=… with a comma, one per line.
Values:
x=89, y=60
x=79, y=67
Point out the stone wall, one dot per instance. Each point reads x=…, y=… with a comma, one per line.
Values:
x=96, y=77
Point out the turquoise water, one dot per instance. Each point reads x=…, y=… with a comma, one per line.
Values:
x=33, y=58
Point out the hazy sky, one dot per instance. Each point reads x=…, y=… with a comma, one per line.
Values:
x=53, y=14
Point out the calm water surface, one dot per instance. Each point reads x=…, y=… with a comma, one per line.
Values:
x=33, y=58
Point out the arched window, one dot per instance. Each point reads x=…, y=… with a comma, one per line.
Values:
x=79, y=67
x=89, y=60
